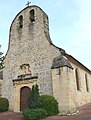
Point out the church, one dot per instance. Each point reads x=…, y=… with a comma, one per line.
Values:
x=32, y=58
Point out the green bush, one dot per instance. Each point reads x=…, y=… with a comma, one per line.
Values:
x=4, y=104
x=49, y=104
x=34, y=114
x=34, y=101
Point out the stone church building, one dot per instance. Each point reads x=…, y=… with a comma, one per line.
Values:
x=33, y=58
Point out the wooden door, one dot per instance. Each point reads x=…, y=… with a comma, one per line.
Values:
x=24, y=97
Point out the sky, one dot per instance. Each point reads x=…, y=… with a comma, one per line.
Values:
x=69, y=24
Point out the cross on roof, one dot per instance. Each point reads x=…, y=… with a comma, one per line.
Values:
x=28, y=3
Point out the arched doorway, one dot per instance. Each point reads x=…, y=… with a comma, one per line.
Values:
x=24, y=97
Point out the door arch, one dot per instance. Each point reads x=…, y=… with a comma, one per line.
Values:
x=24, y=97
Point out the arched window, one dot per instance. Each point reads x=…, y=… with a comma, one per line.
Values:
x=32, y=16
x=77, y=79
x=86, y=79
x=20, y=21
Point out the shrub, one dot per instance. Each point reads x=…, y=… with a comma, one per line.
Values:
x=49, y=104
x=34, y=114
x=4, y=104
x=34, y=101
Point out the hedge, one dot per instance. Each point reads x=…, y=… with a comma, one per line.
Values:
x=4, y=104
x=49, y=104
x=34, y=114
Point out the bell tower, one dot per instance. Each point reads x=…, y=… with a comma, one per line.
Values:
x=29, y=25
x=29, y=45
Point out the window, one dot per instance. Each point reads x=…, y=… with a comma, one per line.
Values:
x=86, y=79
x=20, y=21
x=77, y=79
x=32, y=17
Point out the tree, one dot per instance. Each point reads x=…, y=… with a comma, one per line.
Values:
x=34, y=100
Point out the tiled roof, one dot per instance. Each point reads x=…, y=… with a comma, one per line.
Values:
x=60, y=61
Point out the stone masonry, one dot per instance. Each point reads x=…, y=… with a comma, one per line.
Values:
x=33, y=58
x=31, y=45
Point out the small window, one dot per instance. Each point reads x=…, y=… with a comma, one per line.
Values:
x=20, y=21
x=77, y=79
x=32, y=17
x=86, y=79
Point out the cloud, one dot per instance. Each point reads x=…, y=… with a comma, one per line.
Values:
x=70, y=24
x=82, y=37
x=75, y=29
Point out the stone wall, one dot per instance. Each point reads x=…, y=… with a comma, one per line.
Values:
x=63, y=89
x=1, y=81
x=83, y=95
x=31, y=45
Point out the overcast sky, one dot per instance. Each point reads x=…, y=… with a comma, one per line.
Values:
x=69, y=22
